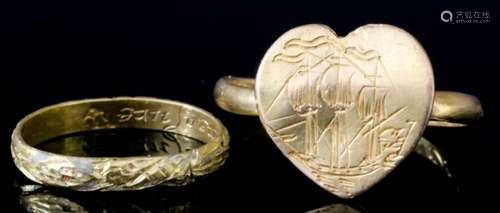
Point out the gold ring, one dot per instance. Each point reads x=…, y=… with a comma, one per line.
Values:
x=346, y=110
x=118, y=173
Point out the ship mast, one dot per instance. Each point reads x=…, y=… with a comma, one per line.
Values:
x=371, y=109
x=336, y=93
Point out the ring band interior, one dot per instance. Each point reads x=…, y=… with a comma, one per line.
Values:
x=450, y=109
x=98, y=114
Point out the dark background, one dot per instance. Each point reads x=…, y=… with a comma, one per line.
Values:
x=55, y=51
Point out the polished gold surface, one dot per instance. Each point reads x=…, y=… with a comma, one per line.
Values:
x=118, y=173
x=236, y=95
x=345, y=110
x=454, y=109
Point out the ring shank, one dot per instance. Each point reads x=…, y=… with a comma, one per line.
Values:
x=450, y=109
x=118, y=173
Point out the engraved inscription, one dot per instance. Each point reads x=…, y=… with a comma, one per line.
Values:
x=128, y=113
x=200, y=125
x=169, y=120
x=95, y=118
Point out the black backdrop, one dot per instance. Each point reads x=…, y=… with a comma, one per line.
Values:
x=55, y=51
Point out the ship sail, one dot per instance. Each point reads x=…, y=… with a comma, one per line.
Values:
x=371, y=104
x=336, y=93
x=371, y=108
x=336, y=89
x=303, y=94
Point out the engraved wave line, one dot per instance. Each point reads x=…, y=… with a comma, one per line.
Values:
x=315, y=42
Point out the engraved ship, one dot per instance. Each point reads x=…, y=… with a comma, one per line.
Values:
x=323, y=85
x=382, y=146
x=336, y=92
x=337, y=126
x=371, y=111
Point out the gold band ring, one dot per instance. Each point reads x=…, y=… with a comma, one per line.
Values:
x=118, y=173
x=346, y=110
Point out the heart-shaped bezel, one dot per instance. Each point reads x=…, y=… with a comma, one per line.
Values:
x=345, y=110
